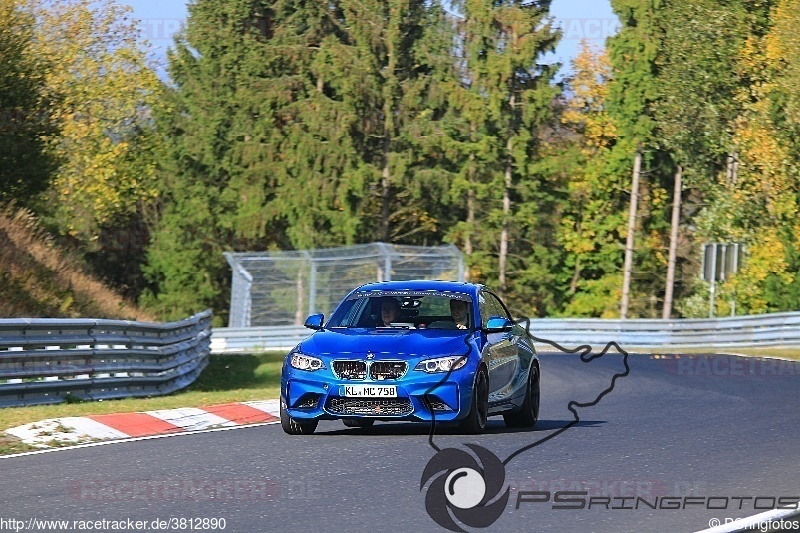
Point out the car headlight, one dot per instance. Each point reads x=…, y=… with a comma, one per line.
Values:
x=442, y=364
x=306, y=362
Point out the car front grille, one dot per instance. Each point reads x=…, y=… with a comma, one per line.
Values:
x=382, y=370
x=350, y=369
x=378, y=370
x=370, y=406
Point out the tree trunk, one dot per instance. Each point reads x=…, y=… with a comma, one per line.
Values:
x=502, y=260
x=501, y=277
x=732, y=169
x=389, y=110
x=298, y=314
x=626, y=269
x=673, y=243
x=470, y=231
x=385, y=195
x=470, y=206
x=576, y=276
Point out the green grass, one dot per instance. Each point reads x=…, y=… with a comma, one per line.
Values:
x=227, y=378
x=9, y=445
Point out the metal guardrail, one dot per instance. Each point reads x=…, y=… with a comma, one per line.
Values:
x=265, y=338
x=53, y=360
x=777, y=329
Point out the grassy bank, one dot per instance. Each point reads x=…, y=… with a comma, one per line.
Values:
x=41, y=279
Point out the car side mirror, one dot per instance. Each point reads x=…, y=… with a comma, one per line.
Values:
x=498, y=324
x=315, y=321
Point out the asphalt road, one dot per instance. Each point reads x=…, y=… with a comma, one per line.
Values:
x=706, y=432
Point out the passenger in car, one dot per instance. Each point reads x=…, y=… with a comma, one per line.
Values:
x=459, y=310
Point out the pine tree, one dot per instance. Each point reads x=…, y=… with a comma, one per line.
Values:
x=216, y=166
x=290, y=125
x=317, y=184
x=508, y=101
x=388, y=39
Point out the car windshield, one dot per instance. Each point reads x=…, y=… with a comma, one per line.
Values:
x=404, y=309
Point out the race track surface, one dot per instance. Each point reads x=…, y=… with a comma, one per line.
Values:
x=708, y=433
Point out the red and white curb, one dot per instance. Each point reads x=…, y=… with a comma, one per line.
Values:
x=83, y=429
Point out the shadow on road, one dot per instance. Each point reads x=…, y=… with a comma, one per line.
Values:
x=494, y=427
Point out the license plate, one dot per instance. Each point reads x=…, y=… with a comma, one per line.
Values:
x=370, y=391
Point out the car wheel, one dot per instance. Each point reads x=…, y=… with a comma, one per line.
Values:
x=358, y=422
x=479, y=410
x=527, y=416
x=293, y=426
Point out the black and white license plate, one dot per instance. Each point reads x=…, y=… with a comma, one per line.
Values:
x=370, y=391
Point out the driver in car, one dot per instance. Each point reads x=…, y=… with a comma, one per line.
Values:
x=390, y=311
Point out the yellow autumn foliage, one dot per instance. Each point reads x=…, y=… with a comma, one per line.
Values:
x=586, y=107
x=99, y=92
x=764, y=197
x=769, y=175
x=586, y=115
x=765, y=256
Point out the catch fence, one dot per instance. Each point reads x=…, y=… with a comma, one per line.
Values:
x=282, y=288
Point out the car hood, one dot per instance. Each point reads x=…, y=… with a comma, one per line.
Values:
x=386, y=342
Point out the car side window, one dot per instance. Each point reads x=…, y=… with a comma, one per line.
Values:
x=347, y=315
x=490, y=306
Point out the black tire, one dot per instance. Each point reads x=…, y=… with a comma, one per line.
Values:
x=358, y=422
x=528, y=414
x=293, y=426
x=479, y=410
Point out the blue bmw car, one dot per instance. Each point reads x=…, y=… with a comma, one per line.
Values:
x=412, y=351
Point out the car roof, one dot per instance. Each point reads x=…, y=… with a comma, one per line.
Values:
x=422, y=285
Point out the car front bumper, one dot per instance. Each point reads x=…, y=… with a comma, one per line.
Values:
x=424, y=398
